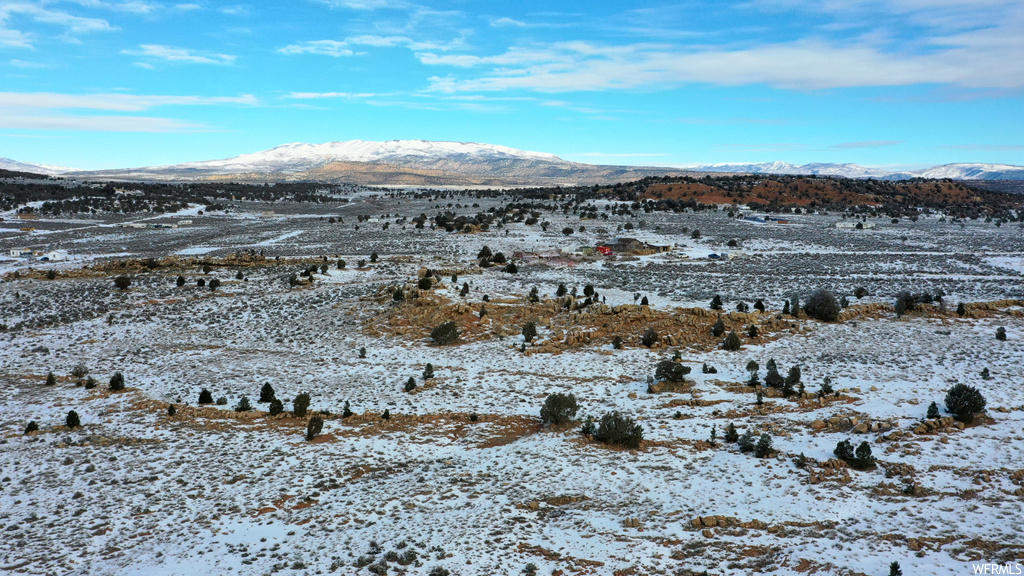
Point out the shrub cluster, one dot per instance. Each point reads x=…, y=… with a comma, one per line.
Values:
x=617, y=428
x=559, y=408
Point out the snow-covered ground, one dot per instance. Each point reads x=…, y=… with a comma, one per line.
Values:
x=134, y=491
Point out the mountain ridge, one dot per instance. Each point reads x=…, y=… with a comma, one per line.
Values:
x=462, y=163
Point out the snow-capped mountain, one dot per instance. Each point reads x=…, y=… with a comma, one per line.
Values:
x=973, y=172
x=844, y=170
x=15, y=166
x=424, y=162
x=952, y=171
x=393, y=162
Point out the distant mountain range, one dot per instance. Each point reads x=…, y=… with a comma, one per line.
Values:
x=952, y=171
x=428, y=163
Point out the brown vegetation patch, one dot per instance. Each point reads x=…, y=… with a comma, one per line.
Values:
x=563, y=329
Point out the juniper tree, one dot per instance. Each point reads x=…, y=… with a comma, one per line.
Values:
x=276, y=407
x=759, y=305
x=785, y=307
x=171, y=410
x=428, y=372
x=1001, y=334
x=616, y=428
x=561, y=291
x=617, y=342
x=649, y=337
x=753, y=331
x=763, y=448
x=713, y=439
x=894, y=569
x=793, y=378
x=362, y=352
x=240, y=276
x=558, y=408
x=31, y=427
x=731, y=435
x=644, y=301
x=718, y=328
x=300, y=404
x=732, y=342
x=963, y=402
x=933, y=410
x=759, y=401
x=346, y=411
x=72, y=421
x=746, y=441
x=410, y=384
x=181, y=281
x=844, y=451
x=51, y=379
x=314, y=427
x=205, y=396
x=773, y=379
x=117, y=382
x=465, y=289
x=826, y=387
x=386, y=415
x=961, y=310
x=534, y=295
x=862, y=456
x=716, y=302
x=823, y=306
x=530, y=331
x=243, y=405
x=445, y=333
x=122, y=282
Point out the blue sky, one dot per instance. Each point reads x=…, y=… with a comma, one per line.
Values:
x=899, y=83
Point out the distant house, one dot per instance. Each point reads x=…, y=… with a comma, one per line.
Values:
x=630, y=245
x=21, y=252
x=28, y=216
x=55, y=256
x=605, y=250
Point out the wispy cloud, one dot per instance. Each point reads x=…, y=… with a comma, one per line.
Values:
x=368, y=4
x=986, y=147
x=97, y=123
x=866, y=144
x=328, y=95
x=118, y=102
x=179, y=55
x=25, y=64
x=37, y=13
x=504, y=22
x=802, y=65
x=333, y=48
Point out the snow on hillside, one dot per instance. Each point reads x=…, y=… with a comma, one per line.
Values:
x=299, y=156
x=16, y=166
x=953, y=171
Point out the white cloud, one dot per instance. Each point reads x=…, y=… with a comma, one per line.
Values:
x=368, y=4
x=135, y=7
x=500, y=22
x=24, y=64
x=802, y=65
x=118, y=102
x=97, y=123
x=187, y=7
x=333, y=48
x=71, y=24
x=174, y=54
x=327, y=95
x=867, y=144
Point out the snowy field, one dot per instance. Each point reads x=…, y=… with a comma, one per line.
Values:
x=214, y=491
